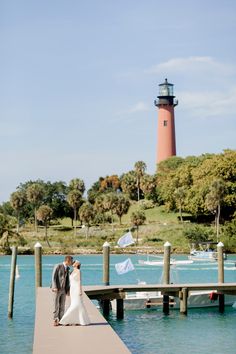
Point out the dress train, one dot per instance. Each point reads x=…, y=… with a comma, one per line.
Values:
x=76, y=313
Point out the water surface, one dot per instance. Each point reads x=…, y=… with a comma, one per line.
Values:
x=149, y=331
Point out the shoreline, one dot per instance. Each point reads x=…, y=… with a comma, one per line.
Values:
x=91, y=251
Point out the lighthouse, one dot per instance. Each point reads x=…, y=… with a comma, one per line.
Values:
x=166, y=146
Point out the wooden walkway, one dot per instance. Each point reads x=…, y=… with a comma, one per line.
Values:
x=118, y=291
x=98, y=337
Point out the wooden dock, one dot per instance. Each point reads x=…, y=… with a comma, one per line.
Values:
x=107, y=293
x=118, y=291
x=98, y=337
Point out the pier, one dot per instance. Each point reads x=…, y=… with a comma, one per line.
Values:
x=98, y=337
x=118, y=292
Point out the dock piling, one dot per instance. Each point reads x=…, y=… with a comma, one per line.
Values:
x=166, y=275
x=105, y=304
x=119, y=309
x=106, y=263
x=12, y=282
x=220, y=253
x=183, y=298
x=38, y=264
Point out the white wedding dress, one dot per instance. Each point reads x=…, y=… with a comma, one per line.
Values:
x=76, y=313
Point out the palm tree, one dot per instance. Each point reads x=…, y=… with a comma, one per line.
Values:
x=179, y=195
x=17, y=200
x=129, y=184
x=148, y=185
x=140, y=168
x=87, y=214
x=109, y=203
x=77, y=184
x=138, y=218
x=8, y=236
x=99, y=206
x=34, y=195
x=122, y=206
x=214, y=200
x=74, y=199
x=44, y=214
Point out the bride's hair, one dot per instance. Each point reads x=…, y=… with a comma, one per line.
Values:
x=78, y=264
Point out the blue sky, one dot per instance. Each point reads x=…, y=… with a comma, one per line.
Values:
x=78, y=80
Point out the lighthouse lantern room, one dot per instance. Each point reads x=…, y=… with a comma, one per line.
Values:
x=166, y=145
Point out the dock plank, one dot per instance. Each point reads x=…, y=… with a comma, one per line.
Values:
x=98, y=337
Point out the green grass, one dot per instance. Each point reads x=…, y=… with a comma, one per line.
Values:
x=159, y=227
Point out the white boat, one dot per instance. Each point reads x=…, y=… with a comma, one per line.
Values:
x=154, y=300
x=206, y=252
x=161, y=263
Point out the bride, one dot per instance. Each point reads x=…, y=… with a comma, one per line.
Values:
x=76, y=313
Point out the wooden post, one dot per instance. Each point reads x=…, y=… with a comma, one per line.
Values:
x=106, y=263
x=166, y=275
x=105, y=306
x=220, y=255
x=12, y=282
x=38, y=264
x=106, y=276
x=183, y=298
x=119, y=309
x=166, y=304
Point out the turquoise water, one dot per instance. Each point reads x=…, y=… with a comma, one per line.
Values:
x=149, y=331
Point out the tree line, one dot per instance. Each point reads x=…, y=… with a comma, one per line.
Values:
x=203, y=186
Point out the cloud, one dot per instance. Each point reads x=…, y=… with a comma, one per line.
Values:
x=195, y=64
x=205, y=86
x=128, y=113
x=208, y=103
x=139, y=107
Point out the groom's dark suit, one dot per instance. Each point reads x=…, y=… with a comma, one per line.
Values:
x=60, y=287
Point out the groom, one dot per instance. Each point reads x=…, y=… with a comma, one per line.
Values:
x=60, y=287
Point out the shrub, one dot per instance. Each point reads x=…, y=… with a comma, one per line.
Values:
x=229, y=235
x=146, y=204
x=198, y=233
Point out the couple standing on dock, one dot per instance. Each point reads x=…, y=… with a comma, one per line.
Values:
x=66, y=283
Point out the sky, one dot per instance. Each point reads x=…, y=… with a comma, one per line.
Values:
x=78, y=80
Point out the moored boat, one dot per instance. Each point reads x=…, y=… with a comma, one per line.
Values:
x=154, y=300
x=161, y=263
x=205, y=253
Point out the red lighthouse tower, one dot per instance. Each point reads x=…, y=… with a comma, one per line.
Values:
x=166, y=146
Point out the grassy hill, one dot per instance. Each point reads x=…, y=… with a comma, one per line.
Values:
x=159, y=227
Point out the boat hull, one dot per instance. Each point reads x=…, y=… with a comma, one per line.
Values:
x=209, y=256
x=161, y=263
x=196, y=299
